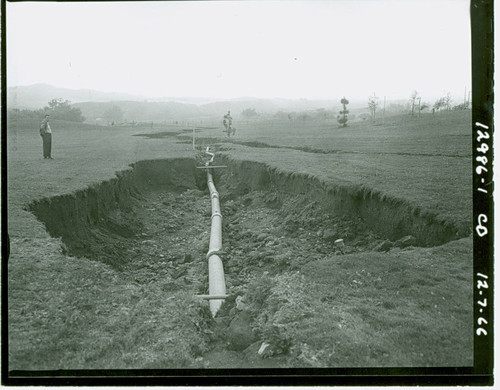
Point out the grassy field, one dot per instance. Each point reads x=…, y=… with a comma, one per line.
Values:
x=426, y=160
x=405, y=308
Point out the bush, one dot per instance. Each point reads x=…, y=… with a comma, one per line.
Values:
x=59, y=109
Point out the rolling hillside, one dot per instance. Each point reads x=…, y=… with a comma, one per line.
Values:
x=142, y=109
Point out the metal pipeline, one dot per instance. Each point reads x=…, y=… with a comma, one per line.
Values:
x=216, y=280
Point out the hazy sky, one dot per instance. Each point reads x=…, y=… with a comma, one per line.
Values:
x=292, y=49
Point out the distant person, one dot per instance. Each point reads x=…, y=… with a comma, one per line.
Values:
x=228, y=124
x=46, y=133
x=229, y=119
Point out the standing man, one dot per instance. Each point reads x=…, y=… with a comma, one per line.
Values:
x=46, y=134
x=228, y=124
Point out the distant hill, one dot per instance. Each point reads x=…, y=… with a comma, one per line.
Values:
x=139, y=108
x=37, y=95
x=141, y=111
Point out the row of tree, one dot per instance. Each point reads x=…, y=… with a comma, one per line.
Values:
x=416, y=105
x=57, y=109
x=62, y=110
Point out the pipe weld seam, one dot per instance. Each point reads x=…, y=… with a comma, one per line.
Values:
x=214, y=252
x=216, y=214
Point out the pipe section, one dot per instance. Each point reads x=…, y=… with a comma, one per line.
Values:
x=216, y=280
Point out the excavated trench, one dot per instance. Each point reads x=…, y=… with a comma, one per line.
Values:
x=152, y=224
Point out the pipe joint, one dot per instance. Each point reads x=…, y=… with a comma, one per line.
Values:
x=216, y=214
x=217, y=252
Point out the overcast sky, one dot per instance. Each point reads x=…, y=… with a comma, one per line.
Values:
x=224, y=49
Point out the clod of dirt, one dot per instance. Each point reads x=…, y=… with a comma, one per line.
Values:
x=329, y=235
x=240, y=334
x=384, y=246
x=406, y=241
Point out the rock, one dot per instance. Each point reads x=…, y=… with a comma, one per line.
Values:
x=240, y=334
x=406, y=241
x=240, y=303
x=262, y=236
x=178, y=273
x=329, y=234
x=339, y=242
x=263, y=348
x=254, y=255
x=383, y=246
x=180, y=259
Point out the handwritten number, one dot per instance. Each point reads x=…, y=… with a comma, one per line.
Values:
x=482, y=284
x=483, y=149
x=480, y=229
x=482, y=159
x=481, y=321
x=482, y=135
x=480, y=169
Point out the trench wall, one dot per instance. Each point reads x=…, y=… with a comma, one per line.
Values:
x=72, y=216
x=391, y=218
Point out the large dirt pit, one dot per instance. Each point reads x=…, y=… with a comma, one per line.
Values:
x=152, y=224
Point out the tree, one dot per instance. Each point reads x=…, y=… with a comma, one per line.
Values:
x=413, y=97
x=447, y=101
x=342, y=118
x=61, y=109
x=24, y=113
x=281, y=115
x=249, y=112
x=439, y=104
x=462, y=106
x=372, y=105
x=424, y=106
x=113, y=114
x=443, y=103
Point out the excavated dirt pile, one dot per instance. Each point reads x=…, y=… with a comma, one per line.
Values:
x=152, y=224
